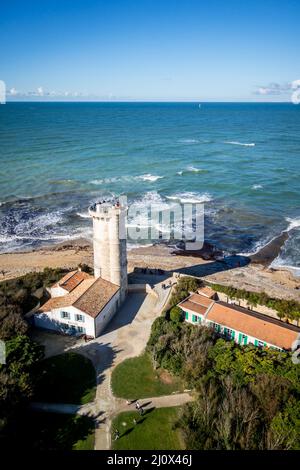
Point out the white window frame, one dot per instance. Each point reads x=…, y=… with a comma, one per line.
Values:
x=81, y=319
x=65, y=315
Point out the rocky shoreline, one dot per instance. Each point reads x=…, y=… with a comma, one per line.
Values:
x=251, y=273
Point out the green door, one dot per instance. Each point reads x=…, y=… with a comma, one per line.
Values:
x=243, y=339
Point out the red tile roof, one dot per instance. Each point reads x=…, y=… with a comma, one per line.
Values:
x=96, y=297
x=90, y=295
x=187, y=305
x=207, y=292
x=254, y=324
x=196, y=303
x=72, y=280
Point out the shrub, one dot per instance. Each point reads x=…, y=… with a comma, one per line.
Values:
x=176, y=315
x=184, y=286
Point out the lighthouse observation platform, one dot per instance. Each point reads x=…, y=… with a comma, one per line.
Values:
x=106, y=208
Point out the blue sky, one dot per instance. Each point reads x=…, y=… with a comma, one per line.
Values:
x=149, y=49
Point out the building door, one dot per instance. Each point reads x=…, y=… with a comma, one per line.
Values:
x=243, y=339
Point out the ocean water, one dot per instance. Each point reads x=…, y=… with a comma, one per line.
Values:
x=241, y=160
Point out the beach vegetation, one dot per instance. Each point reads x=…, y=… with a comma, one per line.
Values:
x=246, y=397
x=18, y=376
x=183, y=288
x=17, y=297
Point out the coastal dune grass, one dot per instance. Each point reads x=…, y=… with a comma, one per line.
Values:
x=135, y=378
x=66, y=378
x=154, y=431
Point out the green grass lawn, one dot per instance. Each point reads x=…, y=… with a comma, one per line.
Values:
x=67, y=378
x=154, y=431
x=135, y=378
x=52, y=431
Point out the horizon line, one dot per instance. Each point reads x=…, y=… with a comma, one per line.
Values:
x=149, y=101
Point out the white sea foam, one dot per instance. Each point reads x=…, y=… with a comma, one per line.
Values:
x=293, y=223
x=138, y=215
x=258, y=246
x=153, y=199
x=190, y=197
x=193, y=169
x=127, y=179
x=279, y=262
x=83, y=215
x=257, y=186
x=188, y=141
x=240, y=143
x=114, y=179
x=149, y=177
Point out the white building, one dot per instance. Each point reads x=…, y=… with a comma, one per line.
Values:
x=84, y=304
x=239, y=324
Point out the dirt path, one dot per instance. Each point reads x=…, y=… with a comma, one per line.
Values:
x=91, y=409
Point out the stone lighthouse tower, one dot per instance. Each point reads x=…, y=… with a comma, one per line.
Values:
x=109, y=240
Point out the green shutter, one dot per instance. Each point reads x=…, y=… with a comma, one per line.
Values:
x=186, y=315
x=194, y=318
x=256, y=342
x=232, y=334
x=243, y=339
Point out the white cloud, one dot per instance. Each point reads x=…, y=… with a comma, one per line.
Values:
x=13, y=92
x=263, y=91
x=40, y=91
x=295, y=84
x=275, y=88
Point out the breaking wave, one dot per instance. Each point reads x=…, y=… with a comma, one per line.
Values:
x=126, y=179
x=149, y=177
x=239, y=143
x=190, y=197
x=293, y=223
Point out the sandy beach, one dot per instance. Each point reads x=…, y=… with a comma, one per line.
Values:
x=254, y=276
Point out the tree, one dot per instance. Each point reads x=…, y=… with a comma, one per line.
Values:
x=17, y=379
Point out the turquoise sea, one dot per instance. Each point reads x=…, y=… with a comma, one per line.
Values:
x=242, y=160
